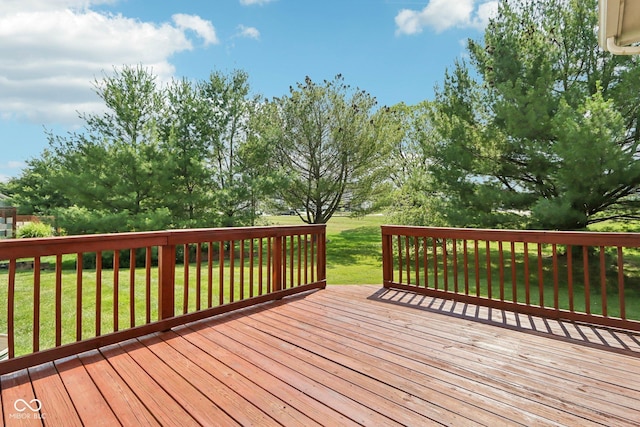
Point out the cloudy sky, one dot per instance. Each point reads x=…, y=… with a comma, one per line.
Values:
x=52, y=50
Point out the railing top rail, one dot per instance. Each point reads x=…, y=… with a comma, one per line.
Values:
x=587, y=238
x=12, y=249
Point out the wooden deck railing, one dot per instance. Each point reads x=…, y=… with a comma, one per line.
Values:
x=70, y=294
x=578, y=276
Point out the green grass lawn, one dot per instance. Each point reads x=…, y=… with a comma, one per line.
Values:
x=354, y=248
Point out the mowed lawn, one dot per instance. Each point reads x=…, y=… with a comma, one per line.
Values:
x=354, y=248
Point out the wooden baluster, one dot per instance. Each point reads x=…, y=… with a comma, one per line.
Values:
x=425, y=261
x=501, y=268
x=251, y=267
x=400, y=262
x=299, y=253
x=210, y=275
x=116, y=290
x=587, y=285
x=269, y=264
x=242, y=269
x=540, y=275
x=570, y=277
x=514, y=283
x=435, y=262
x=147, y=266
x=603, y=282
x=465, y=257
x=132, y=288
x=454, y=254
x=221, y=272
x=185, y=273
x=78, y=294
x=476, y=252
x=291, y=262
x=11, y=295
x=36, y=304
x=623, y=311
x=408, y=258
x=445, y=265
x=556, y=287
x=306, y=259
x=98, y=293
x=260, y=265
x=198, y=276
x=232, y=259
x=489, y=284
x=58, y=297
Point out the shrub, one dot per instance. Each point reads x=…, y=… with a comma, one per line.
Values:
x=34, y=229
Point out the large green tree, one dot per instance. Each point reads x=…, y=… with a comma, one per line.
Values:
x=540, y=128
x=331, y=142
x=231, y=108
x=414, y=198
x=186, y=137
x=159, y=156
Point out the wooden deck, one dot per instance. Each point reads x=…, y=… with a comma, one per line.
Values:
x=345, y=355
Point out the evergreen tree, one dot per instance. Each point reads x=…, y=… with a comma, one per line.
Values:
x=547, y=135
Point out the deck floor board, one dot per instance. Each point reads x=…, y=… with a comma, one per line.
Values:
x=346, y=355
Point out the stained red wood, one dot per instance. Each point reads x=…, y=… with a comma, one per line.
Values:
x=126, y=406
x=348, y=355
x=84, y=394
x=18, y=405
x=57, y=406
x=597, y=312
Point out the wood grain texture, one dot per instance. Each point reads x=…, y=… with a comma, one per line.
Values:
x=347, y=355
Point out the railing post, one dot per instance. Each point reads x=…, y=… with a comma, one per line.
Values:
x=166, y=281
x=322, y=256
x=387, y=259
x=277, y=264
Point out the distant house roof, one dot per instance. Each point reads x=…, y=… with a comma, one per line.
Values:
x=3, y=199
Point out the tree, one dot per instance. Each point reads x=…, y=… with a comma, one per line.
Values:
x=158, y=157
x=186, y=138
x=547, y=136
x=35, y=191
x=414, y=198
x=260, y=176
x=330, y=142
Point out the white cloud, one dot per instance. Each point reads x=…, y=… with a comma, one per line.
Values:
x=52, y=50
x=203, y=28
x=12, y=164
x=11, y=167
x=440, y=15
x=248, y=32
x=252, y=2
x=13, y=6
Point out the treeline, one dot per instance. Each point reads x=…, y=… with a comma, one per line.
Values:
x=204, y=154
x=537, y=129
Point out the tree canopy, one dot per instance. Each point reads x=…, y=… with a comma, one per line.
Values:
x=330, y=141
x=160, y=156
x=537, y=128
x=541, y=127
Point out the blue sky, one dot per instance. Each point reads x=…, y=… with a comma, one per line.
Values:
x=52, y=50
